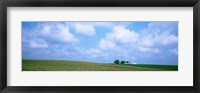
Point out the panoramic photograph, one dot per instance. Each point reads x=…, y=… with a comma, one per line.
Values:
x=100, y=46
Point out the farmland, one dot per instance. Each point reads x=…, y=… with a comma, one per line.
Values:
x=61, y=65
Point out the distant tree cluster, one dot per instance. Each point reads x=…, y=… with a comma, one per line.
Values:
x=116, y=62
x=122, y=62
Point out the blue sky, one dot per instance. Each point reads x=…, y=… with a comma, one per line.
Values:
x=101, y=42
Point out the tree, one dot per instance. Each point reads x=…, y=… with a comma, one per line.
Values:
x=123, y=62
x=127, y=62
x=116, y=61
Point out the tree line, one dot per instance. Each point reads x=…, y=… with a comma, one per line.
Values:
x=121, y=62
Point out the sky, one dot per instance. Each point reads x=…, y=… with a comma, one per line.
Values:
x=101, y=42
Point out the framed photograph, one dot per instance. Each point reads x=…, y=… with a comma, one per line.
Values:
x=103, y=46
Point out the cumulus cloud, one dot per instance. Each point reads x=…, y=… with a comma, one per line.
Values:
x=166, y=38
x=119, y=34
x=160, y=39
x=38, y=43
x=87, y=30
x=123, y=35
x=158, y=34
x=106, y=44
x=58, y=32
x=117, y=41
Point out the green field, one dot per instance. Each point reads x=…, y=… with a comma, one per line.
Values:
x=59, y=65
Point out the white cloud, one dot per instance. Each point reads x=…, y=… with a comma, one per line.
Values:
x=148, y=49
x=119, y=34
x=87, y=30
x=123, y=35
x=174, y=51
x=161, y=39
x=153, y=35
x=59, y=32
x=38, y=43
x=166, y=38
x=106, y=44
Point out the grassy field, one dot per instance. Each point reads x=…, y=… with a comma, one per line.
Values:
x=58, y=65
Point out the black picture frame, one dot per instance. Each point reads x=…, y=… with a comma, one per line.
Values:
x=99, y=3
